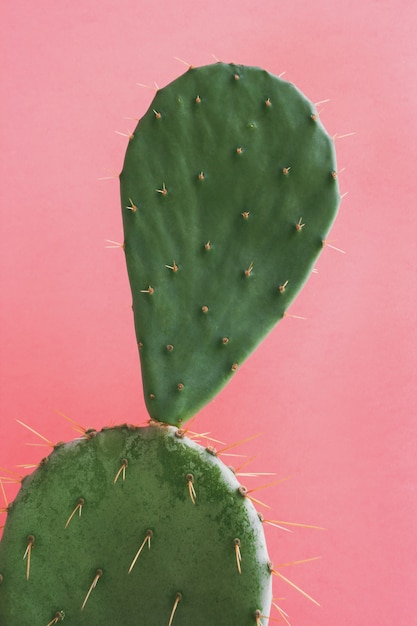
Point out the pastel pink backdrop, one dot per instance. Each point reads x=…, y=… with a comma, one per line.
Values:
x=334, y=394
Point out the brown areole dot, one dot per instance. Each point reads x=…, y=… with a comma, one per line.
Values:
x=299, y=225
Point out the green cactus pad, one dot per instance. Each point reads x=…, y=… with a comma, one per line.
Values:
x=133, y=526
x=228, y=191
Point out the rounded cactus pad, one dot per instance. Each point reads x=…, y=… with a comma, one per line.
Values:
x=133, y=526
x=228, y=191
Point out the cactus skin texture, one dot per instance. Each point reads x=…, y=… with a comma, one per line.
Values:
x=228, y=191
x=88, y=509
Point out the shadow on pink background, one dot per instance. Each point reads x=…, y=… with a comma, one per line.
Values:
x=334, y=394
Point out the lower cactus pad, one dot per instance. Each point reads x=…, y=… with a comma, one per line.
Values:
x=133, y=526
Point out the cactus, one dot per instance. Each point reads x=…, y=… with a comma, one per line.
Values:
x=228, y=191
x=151, y=517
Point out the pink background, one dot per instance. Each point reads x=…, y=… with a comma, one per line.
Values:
x=334, y=394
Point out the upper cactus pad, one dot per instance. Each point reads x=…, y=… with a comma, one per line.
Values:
x=228, y=191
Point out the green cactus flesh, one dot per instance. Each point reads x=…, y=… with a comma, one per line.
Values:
x=228, y=191
x=133, y=526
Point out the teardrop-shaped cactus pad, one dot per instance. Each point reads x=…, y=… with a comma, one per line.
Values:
x=228, y=191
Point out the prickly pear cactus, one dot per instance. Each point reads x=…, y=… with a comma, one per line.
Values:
x=133, y=526
x=228, y=191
